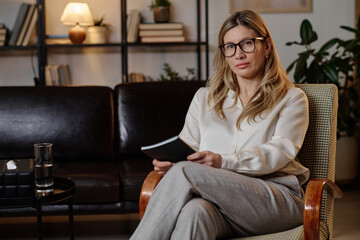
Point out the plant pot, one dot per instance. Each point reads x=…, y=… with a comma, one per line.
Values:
x=161, y=14
x=347, y=160
x=97, y=34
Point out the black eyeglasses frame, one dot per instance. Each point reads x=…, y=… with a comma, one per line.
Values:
x=239, y=45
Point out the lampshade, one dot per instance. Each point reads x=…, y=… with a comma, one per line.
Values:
x=77, y=14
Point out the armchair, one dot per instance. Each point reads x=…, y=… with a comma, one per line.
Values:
x=317, y=154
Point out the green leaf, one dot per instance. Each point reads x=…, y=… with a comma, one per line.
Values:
x=330, y=72
x=335, y=54
x=290, y=67
x=305, y=31
x=301, y=67
x=344, y=44
x=349, y=29
x=351, y=45
x=328, y=45
x=291, y=43
x=314, y=73
x=313, y=37
x=342, y=64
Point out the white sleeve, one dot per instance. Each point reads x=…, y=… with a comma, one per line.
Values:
x=191, y=131
x=283, y=146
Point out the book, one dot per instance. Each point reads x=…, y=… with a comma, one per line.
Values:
x=64, y=75
x=31, y=28
x=135, y=33
x=59, y=40
x=129, y=25
x=173, y=149
x=166, y=32
x=133, y=26
x=48, y=81
x=18, y=23
x=54, y=71
x=163, y=39
x=158, y=26
x=25, y=25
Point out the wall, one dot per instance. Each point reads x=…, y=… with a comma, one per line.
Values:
x=102, y=66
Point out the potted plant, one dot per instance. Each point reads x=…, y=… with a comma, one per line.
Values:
x=337, y=62
x=171, y=75
x=161, y=10
x=98, y=33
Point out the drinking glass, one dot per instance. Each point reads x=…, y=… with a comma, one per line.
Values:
x=44, y=180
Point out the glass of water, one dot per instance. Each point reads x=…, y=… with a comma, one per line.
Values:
x=44, y=180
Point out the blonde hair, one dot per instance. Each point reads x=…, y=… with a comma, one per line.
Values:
x=273, y=86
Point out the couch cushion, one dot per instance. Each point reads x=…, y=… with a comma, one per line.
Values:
x=150, y=112
x=133, y=173
x=77, y=120
x=96, y=182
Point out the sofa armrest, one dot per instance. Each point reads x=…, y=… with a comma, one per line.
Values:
x=312, y=205
x=150, y=182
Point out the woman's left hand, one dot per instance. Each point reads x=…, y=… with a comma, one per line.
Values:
x=207, y=158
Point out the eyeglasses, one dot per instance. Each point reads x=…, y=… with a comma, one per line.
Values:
x=246, y=45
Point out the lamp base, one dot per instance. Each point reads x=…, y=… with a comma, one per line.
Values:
x=77, y=34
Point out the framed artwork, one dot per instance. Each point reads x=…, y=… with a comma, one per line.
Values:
x=271, y=6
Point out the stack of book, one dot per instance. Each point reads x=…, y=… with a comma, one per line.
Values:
x=139, y=77
x=3, y=34
x=24, y=26
x=161, y=32
x=57, y=39
x=57, y=75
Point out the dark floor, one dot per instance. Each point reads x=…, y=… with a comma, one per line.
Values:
x=120, y=227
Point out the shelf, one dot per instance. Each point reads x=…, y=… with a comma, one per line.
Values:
x=83, y=45
x=138, y=44
x=168, y=44
x=17, y=48
x=199, y=44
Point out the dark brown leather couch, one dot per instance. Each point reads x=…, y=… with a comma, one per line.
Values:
x=97, y=133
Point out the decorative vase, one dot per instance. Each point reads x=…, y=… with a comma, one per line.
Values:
x=347, y=160
x=161, y=14
x=97, y=34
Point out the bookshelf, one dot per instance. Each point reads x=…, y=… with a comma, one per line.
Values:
x=199, y=46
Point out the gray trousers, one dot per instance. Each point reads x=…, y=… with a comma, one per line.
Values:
x=194, y=201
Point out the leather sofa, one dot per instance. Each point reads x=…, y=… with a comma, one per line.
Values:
x=97, y=133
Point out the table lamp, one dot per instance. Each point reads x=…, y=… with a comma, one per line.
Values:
x=77, y=14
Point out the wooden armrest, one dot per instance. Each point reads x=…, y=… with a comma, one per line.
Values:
x=312, y=205
x=150, y=182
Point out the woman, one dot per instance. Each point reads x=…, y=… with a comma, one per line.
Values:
x=247, y=126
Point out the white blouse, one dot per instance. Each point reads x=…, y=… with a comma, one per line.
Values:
x=267, y=146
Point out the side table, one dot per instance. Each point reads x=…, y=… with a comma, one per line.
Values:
x=64, y=189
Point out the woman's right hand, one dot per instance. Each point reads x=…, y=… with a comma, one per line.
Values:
x=161, y=167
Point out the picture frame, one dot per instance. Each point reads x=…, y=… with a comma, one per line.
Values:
x=271, y=6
